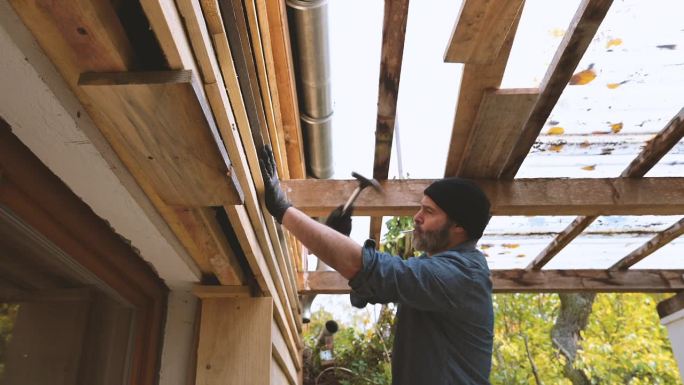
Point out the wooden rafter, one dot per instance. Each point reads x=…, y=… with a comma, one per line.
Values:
x=476, y=80
x=655, y=243
x=528, y=281
x=654, y=150
x=391, y=56
x=671, y=305
x=579, y=35
x=481, y=30
x=591, y=196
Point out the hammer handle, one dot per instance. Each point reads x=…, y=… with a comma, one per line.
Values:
x=351, y=199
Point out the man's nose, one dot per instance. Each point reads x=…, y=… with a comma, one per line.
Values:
x=417, y=218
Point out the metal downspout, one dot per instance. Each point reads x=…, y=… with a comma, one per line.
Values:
x=309, y=26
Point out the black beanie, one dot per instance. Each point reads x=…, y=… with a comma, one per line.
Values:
x=464, y=203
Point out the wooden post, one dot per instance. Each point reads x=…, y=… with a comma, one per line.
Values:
x=671, y=312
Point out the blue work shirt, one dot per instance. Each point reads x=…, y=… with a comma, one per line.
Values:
x=445, y=319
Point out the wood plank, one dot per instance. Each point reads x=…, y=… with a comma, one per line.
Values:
x=206, y=291
x=654, y=150
x=534, y=281
x=169, y=133
x=229, y=326
x=481, y=29
x=495, y=129
x=393, y=36
x=599, y=196
x=655, y=243
x=580, y=33
x=475, y=80
x=263, y=60
x=281, y=355
x=562, y=239
x=286, y=85
x=671, y=305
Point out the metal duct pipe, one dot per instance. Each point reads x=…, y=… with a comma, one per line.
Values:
x=309, y=22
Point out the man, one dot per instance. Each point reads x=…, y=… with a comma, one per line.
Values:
x=445, y=319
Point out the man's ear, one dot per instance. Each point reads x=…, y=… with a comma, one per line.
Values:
x=458, y=231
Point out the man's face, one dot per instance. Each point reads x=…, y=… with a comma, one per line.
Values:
x=431, y=232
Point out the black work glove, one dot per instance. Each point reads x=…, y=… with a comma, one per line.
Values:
x=274, y=197
x=340, y=222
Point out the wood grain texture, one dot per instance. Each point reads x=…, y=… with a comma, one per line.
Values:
x=495, y=130
x=659, y=240
x=611, y=196
x=475, y=81
x=235, y=341
x=159, y=120
x=286, y=85
x=579, y=35
x=526, y=281
x=481, y=29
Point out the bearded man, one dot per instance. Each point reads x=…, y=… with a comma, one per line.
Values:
x=445, y=319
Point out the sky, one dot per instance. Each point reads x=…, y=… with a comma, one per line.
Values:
x=633, y=75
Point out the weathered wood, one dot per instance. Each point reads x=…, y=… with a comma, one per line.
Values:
x=287, y=89
x=534, y=281
x=475, y=80
x=393, y=35
x=657, y=147
x=495, y=130
x=655, y=243
x=580, y=33
x=671, y=305
x=562, y=239
x=481, y=30
x=376, y=230
x=654, y=150
x=611, y=196
x=169, y=134
x=235, y=341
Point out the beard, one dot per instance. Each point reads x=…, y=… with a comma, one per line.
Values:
x=433, y=241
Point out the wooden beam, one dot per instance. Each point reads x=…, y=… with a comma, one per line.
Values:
x=481, y=29
x=168, y=132
x=391, y=56
x=581, y=32
x=611, y=196
x=286, y=85
x=495, y=130
x=562, y=239
x=655, y=243
x=475, y=81
x=671, y=305
x=526, y=281
x=654, y=150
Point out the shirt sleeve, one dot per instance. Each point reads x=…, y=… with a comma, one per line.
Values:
x=428, y=284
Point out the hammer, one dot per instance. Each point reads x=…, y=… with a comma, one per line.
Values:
x=363, y=183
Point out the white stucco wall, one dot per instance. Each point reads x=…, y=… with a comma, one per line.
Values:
x=675, y=329
x=46, y=116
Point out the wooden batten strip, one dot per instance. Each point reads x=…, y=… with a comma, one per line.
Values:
x=263, y=58
x=655, y=243
x=654, y=150
x=580, y=33
x=391, y=56
x=481, y=30
x=226, y=122
x=205, y=291
x=534, y=281
x=590, y=196
x=496, y=127
x=475, y=80
x=282, y=356
x=286, y=86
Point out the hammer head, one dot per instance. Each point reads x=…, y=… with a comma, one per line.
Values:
x=365, y=182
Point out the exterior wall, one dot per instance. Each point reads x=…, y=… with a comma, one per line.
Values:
x=47, y=118
x=675, y=328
